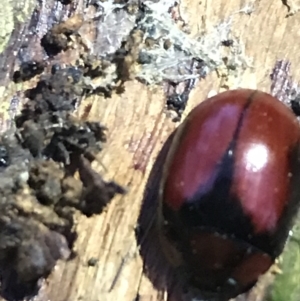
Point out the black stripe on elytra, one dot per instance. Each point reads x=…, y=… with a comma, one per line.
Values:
x=217, y=209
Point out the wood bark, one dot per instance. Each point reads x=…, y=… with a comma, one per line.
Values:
x=139, y=126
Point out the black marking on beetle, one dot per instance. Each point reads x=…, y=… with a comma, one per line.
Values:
x=205, y=205
x=202, y=210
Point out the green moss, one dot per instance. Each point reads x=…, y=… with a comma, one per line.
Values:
x=287, y=284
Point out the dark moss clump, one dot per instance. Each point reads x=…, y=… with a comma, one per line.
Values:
x=28, y=70
x=39, y=194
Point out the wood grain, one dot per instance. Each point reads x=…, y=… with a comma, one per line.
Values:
x=139, y=127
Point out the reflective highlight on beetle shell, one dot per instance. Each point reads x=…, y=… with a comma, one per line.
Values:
x=230, y=189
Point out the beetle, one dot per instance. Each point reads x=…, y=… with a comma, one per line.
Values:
x=230, y=190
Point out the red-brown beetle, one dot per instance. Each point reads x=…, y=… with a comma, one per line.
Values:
x=230, y=189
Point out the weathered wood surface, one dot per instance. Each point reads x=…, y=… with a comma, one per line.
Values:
x=138, y=128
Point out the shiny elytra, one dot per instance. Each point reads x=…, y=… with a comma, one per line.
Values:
x=230, y=189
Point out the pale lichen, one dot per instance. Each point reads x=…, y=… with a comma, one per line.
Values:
x=10, y=13
x=174, y=63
